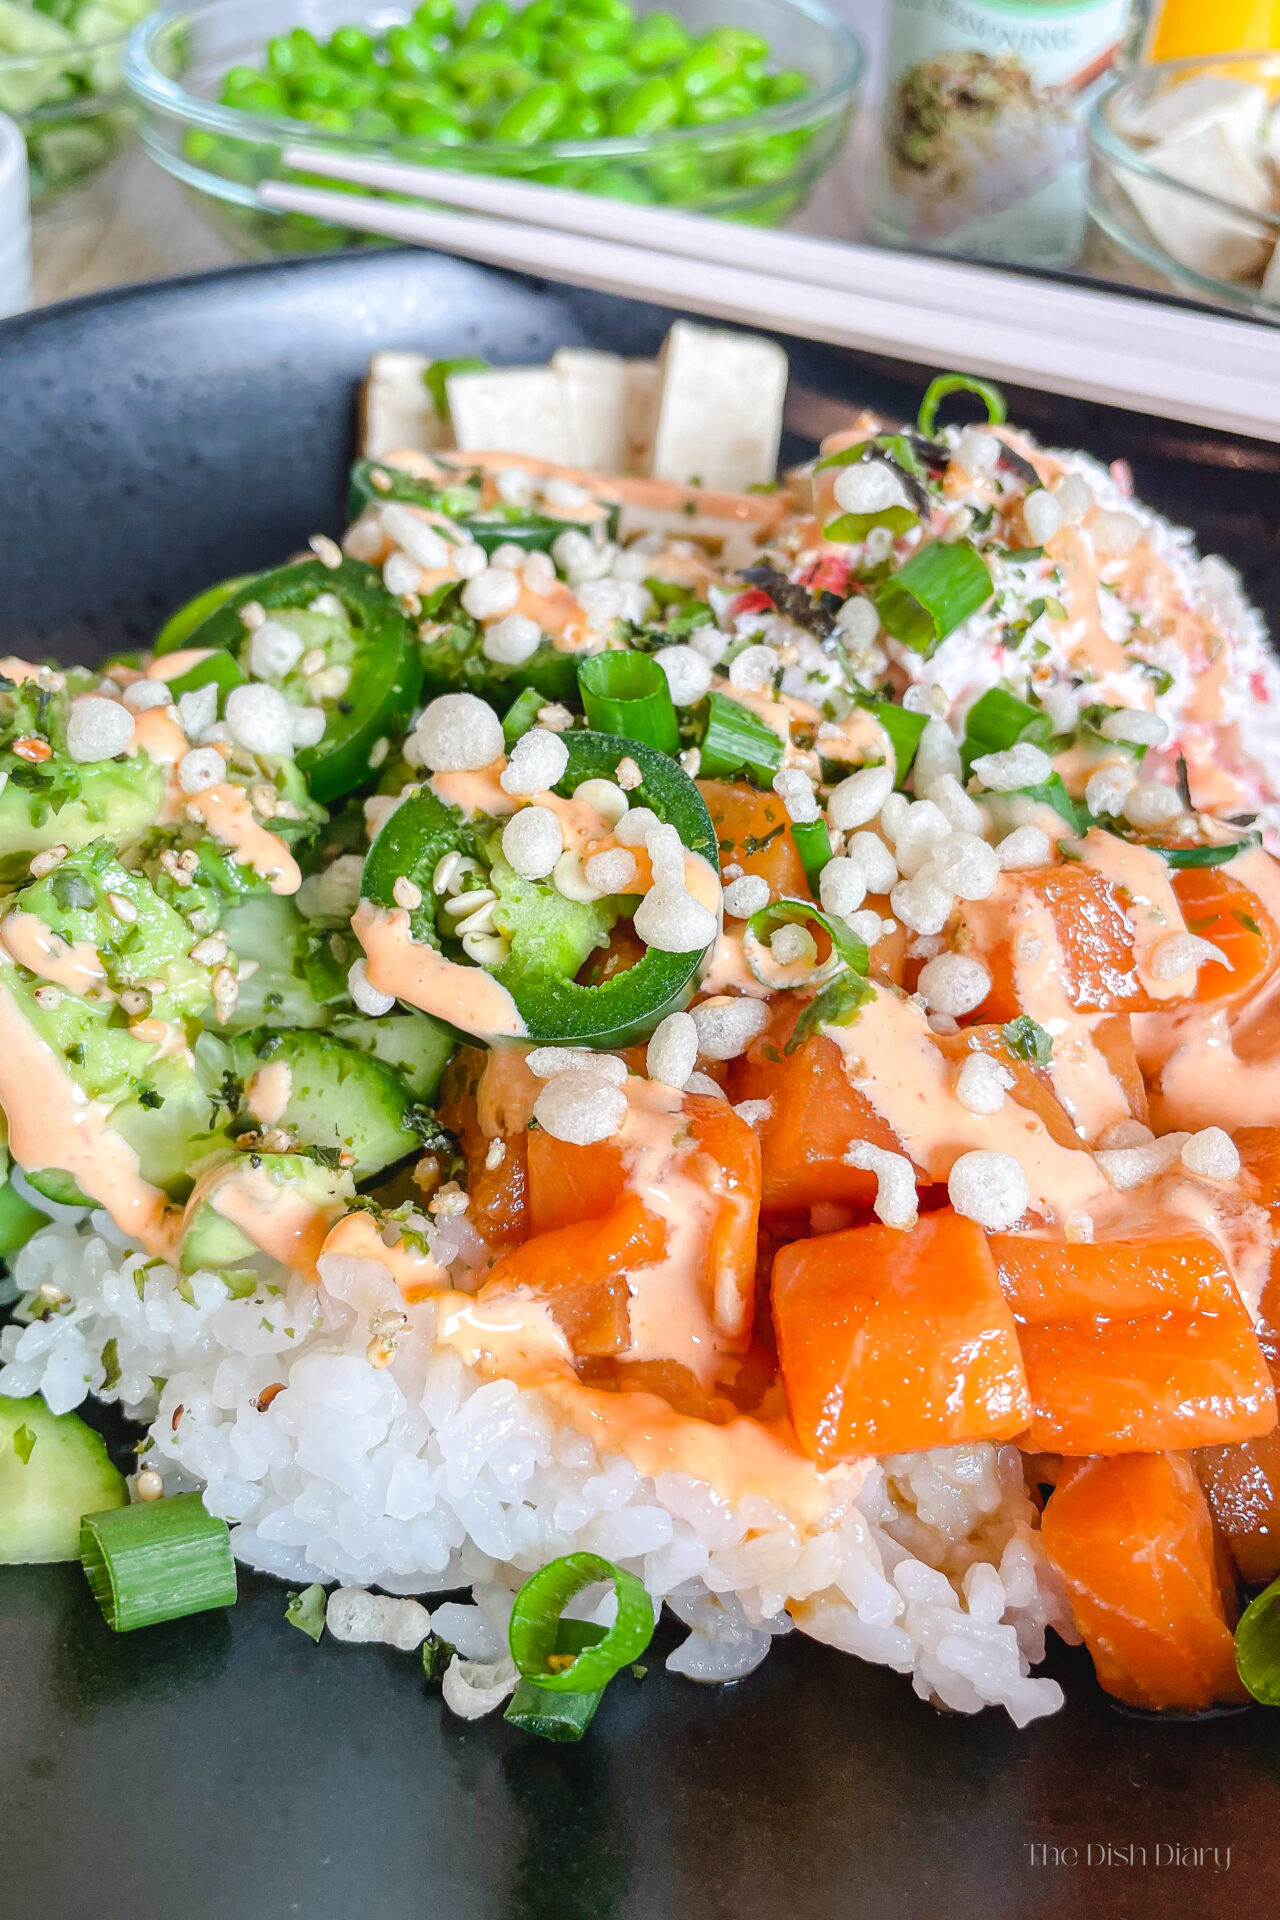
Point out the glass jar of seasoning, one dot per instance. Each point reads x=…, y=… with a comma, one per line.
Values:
x=982, y=147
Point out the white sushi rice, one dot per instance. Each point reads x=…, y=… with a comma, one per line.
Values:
x=423, y=1477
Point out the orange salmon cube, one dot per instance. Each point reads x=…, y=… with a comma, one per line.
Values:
x=580, y=1273
x=891, y=1342
x=1133, y=1540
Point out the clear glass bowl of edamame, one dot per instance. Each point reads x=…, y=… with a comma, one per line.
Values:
x=728, y=107
x=60, y=80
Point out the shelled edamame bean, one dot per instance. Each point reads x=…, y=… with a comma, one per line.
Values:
x=564, y=71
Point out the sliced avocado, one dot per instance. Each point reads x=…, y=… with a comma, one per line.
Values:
x=413, y=1045
x=18, y=1220
x=57, y=1186
x=337, y=1095
x=58, y=803
x=91, y=900
x=53, y=1470
x=171, y=1123
x=211, y=1239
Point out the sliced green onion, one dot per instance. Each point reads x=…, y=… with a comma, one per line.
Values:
x=535, y=1623
x=735, y=739
x=305, y=1611
x=933, y=593
x=1258, y=1646
x=813, y=844
x=839, y=1002
x=849, y=527
x=1052, y=793
x=437, y=1652
x=904, y=730
x=1025, y=1039
x=999, y=721
x=159, y=1560
x=522, y=714
x=627, y=694
x=846, y=949
x=897, y=445
x=558, y=1716
x=1207, y=856
x=946, y=383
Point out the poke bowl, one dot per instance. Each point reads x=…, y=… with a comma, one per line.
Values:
x=755, y=167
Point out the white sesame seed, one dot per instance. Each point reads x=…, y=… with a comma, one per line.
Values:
x=327, y=551
x=628, y=775
x=122, y=907
x=990, y=1188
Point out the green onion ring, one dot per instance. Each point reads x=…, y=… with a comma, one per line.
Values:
x=626, y=694
x=535, y=1623
x=946, y=383
x=846, y=949
x=158, y=1560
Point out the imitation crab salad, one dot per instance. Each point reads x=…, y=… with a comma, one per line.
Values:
x=635, y=1033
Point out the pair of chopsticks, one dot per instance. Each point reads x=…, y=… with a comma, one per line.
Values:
x=1089, y=344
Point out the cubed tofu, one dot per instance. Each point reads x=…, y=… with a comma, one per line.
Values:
x=593, y=391
x=720, y=411
x=1206, y=100
x=511, y=410
x=397, y=413
x=640, y=415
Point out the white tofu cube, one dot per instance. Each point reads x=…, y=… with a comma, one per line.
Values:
x=397, y=413
x=640, y=415
x=720, y=413
x=510, y=410
x=593, y=390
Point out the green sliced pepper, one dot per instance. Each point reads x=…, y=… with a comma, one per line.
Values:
x=545, y=950
x=184, y=621
x=489, y=527
x=386, y=679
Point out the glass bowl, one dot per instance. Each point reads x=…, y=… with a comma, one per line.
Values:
x=755, y=169
x=71, y=106
x=1182, y=237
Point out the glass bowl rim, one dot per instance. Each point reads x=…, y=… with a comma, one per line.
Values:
x=1112, y=146
x=147, y=83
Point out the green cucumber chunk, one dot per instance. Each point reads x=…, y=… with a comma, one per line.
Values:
x=334, y=1095
x=64, y=1475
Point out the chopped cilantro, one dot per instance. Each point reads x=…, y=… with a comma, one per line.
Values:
x=305, y=1611
x=1024, y=1039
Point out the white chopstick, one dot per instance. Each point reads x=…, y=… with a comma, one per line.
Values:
x=1093, y=345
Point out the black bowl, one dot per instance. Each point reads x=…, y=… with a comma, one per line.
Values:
x=223, y=1768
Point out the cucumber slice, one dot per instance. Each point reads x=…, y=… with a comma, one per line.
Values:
x=65, y=1474
x=58, y=1186
x=413, y=1045
x=331, y=1094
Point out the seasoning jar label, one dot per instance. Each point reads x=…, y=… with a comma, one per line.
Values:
x=982, y=148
